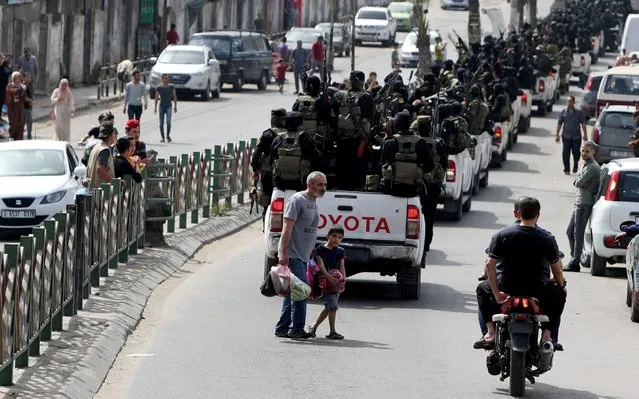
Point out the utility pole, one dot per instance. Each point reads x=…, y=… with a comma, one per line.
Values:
x=163, y=24
x=353, y=11
x=474, y=25
x=265, y=15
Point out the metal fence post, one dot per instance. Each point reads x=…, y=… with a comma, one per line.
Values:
x=107, y=193
x=230, y=152
x=114, y=215
x=185, y=189
x=217, y=163
x=197, y=185
x=240, y=168
x=49, y=229
x=8, y=308
x=170, y=223
x=206, y=208
x=27, y=243
x=58, y=270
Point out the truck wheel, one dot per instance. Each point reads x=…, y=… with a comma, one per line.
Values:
x=410, y=283
x=476, y=183
x=467, y=204
x=483, y=182
x=238, y=82
x=453, y=209
x=522, y=125
x=549, y=107
x=541, y=109
x=634, y=309
x=593, y=58
x=628, y=294
x=597, y=264
x=268, y=263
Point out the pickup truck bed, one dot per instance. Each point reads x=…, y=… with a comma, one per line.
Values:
x=383, y=234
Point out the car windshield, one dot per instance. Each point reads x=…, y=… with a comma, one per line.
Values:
x=30, y=162
x=326, y=28
x=411, y=38
x=186, y=57
x=379, y=15
x=400, y=7
x=617, y=120
x=434, y=35
x=629, y=186
x=622, y=85
x=219, y=44
x=595, y=82
x=306, y=36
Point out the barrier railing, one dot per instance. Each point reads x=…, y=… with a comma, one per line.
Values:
x=48, y=273
x=109, y=84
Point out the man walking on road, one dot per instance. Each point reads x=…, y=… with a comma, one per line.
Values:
x=573, y=121
x=299, y=58
x=134, y=95
x=28, y=64
x=588, y=184
x=317, y=56
x=301, y=218
x=165, y=94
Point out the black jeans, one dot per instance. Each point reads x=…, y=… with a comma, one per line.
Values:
x=134, y=111
x=570, y=145
x=552, y=300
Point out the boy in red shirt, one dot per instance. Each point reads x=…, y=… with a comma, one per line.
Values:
x=281, y=74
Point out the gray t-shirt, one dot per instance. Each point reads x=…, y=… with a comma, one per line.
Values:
x=303, y=210
x=572, y=122
x=165, y=93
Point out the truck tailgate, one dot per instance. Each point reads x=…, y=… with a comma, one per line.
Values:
x=364, y=216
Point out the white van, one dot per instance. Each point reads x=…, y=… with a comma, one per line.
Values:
x=619, y=86
x=630, y=38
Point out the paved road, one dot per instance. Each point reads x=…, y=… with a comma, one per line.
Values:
x=209, y=334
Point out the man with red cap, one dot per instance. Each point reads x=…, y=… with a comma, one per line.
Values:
x=132, y=129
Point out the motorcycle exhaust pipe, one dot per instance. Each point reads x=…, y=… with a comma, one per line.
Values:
x=546, y=353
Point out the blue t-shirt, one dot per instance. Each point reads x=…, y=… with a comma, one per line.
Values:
x=330, y=256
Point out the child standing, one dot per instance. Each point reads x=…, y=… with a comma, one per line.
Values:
x=281, y=74
x=330, y=257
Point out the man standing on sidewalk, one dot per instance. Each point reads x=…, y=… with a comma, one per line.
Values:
x=573, y=121
x=165, y=95
x=134, y=94
x=172, y=36
x=28, y=64
x=587, y=182
x=301, y=218
x=317, y=56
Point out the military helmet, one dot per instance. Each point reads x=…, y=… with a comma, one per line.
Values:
x=312, y=85
x=294, y=120
x=358, y=76
x=278, y=118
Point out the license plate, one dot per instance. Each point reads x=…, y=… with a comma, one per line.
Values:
x=21, y=214
x=369, y=37
x=621, y=154
x=180, y=86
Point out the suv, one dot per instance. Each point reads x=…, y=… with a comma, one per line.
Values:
x=341, y=37
x=244, y=56
x=191, y=69
x=375, y=24
x=613, y=131
x=618, y=199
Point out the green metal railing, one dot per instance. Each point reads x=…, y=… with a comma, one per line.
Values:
x=48, y=273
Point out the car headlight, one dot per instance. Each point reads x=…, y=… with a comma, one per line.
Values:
x=198, y=74
x=54, y=197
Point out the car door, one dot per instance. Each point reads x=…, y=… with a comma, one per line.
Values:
x=264, y=55
x=251, y=70
x=239, y=57
x=73, y=162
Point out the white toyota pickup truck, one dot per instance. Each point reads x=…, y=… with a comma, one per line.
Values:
x=543, y=95
x=457, y=193
x=525, y=110
x=383, y=234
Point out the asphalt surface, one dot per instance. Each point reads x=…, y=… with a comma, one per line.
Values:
x=209, y=333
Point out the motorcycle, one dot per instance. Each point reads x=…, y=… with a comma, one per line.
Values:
x=517, y=348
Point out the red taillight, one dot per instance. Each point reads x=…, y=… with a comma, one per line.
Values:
x=589, y=83
x=542, y=86
x=412, y=222
x=498, y=134
x=451, y=173
x=595, y=135
x=611, y=190
x=524, y=98
x=583, y=61
x=277, y=215
x=524, y=302
x=593, y=42
x=516, y=301
x=610, y=242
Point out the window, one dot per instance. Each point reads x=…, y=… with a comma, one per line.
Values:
x=184, y=57
x=30, y=162
x=369, y=14
x=618, y=120
x=628, y=187
x=237, y=46
x=401, y=8
x=73, y=160
x=211, y=55
x=622, y=84
x=595, y=82
x=307, y=36
x=411, y=39
x=220, y=45
x=603, y=182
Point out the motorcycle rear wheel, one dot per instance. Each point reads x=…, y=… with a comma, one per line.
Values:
x=517, y=373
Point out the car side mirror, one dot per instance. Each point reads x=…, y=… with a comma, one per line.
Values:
x=591, y=122
x=80, y=172
x=399, y=42
x=153, y=60
x=211, y=61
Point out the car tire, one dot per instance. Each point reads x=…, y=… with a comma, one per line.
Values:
x=358, y=42
x=594, y=58
x=483, y=182
x=634, y=308
x=453, y=209
x=410, y=282
x=628, y=294
x=597, y=264
x=476, y=183
x=602, y=51
x=263, y=82
x=238, y=82
x=549, y=107
x=218, y=90
x=523, y=125
x=348, y=51
x=206, y=94
x=268, y=263
x=510, y=143
x=496, y=162
x=469, y=203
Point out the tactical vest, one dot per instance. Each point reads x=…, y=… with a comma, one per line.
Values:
x=436, y=176
x=479, y=112
x=291, y=166
x=265, y=161
x=350, y=114
x=459, y=140
x=507, y=109
x=311, y=124
x=406, y=171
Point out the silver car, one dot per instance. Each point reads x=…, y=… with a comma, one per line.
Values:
x=450, y=4
x=612, y=131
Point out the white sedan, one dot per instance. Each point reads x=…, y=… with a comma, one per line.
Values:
x=408, y=52
x=38, y=178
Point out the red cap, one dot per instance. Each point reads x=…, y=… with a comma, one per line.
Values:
x=132, y=124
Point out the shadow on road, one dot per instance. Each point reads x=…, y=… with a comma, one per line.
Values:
x=513, y=165
x=199, y=99
x=345, y=343
x=482, y=220
x=526, y=148
x=495, y=193
x=439, y=258
x=538, y=132
x=540, y=390
x=375, y=295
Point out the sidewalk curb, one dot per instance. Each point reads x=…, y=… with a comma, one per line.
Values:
x=85, y=107
x=76, y=364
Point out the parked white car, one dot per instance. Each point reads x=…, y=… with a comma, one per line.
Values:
x=632, y=267
x=191, y=70
x=617, y=202
x=375, y=24
x=408, y=52
x=38, y=178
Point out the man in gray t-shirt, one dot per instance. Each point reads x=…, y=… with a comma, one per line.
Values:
x=573, y=122
x=299, y=234
x=164, y=95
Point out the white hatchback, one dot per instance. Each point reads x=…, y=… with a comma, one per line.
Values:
x=38, y=178
x=618, y=202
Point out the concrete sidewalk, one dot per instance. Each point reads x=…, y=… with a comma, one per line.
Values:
x=85, y=98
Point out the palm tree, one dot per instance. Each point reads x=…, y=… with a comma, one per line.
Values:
x=423, y=40
x=474, y=23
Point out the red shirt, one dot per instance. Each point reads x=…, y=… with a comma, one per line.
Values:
x=318, y=51
x=172, y=37
x=281, y=70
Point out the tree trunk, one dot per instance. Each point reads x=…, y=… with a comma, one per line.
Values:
x=474, y=23
x=423, y=40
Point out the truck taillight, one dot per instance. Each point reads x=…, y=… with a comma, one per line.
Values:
x=277, y=215
x=583, y=61
x=524, y=98
x=611, y=190
x=542, y=86
x=595, y=135
x=412, y=222
x=451, y=173
x=497, y=137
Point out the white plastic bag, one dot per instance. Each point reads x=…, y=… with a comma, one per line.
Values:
x=281, y=278
x=299, y=289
